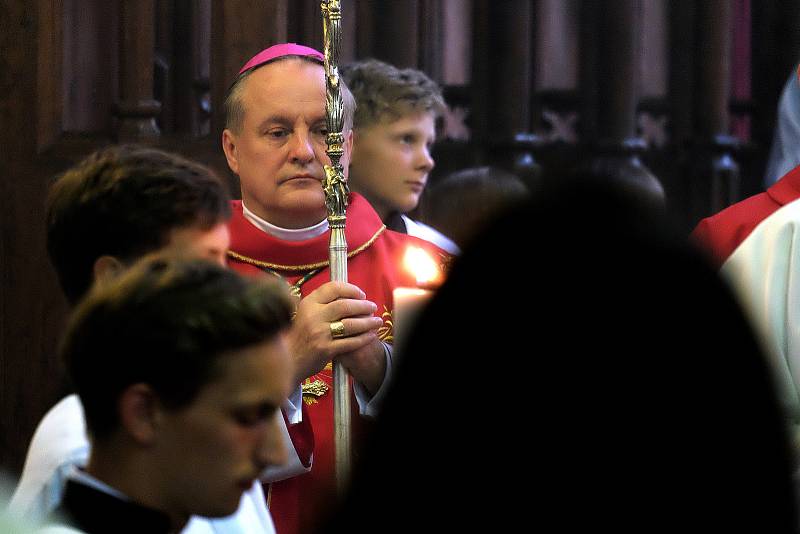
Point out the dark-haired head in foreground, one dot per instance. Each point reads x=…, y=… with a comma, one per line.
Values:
x=181, y=368
x=462, y=203
x=595, y=375
x=124, y=201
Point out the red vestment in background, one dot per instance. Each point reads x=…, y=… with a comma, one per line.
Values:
x=722, y=233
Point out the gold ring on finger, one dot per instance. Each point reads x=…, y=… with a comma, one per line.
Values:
x=337, y=329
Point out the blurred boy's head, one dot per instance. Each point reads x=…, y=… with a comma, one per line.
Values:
x=125, y=201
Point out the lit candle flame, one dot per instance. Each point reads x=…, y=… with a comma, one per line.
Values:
x=421, y=265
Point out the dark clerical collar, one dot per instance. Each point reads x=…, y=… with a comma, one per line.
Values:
x=97, y=512
x=395, y=222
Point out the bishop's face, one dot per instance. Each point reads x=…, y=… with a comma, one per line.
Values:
x=280, y=151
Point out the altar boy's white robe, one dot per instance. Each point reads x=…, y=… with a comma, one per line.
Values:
x=765, y=274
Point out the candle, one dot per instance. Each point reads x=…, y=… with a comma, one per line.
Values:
x=409, y=301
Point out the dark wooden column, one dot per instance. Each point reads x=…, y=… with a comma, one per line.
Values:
x=405, y=33
x=389, y=30
x=502, y=60
x=31, y=308
x=681, y=70
x=618, y=44
x=714, y=68
x=137, y=109
x=201, y=67
x=239, y=30
x=182, y=49
x=431, y=32
x=305, y=22
x=712, y=96
x=305, y=25
x=609, y=45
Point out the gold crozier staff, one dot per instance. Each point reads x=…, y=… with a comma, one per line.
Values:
x=336, y=194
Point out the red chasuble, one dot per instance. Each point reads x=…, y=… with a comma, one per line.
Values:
x=375, y=265
x=722, y=233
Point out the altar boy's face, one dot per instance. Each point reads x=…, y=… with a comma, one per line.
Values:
x=214, y=449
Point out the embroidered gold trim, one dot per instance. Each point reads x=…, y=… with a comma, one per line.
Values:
x=386, y=332
x=293, y=268
x=317, y=388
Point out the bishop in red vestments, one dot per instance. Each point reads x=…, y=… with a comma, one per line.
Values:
x=275, y=142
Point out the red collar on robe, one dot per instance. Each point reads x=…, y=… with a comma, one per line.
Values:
x=787, y=188
x=362, y=228
x=722, y=233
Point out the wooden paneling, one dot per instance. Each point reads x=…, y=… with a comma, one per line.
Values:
x=90, y=82
x=239, y=30
x=713, y=68
x=616, y=80
x=681, y=69
x=30, y=312
x=136, y=109
x=389, y=31
x=50, y=102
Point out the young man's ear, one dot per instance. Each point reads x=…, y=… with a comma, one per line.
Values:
x=106, y=267
x=140, y=413
x=229, y=142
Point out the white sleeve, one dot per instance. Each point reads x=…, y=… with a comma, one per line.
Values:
x=292, y=408
x=430, y=234
x=783, y=155
x=765, y=274
x=59, y=443
x=370, y=405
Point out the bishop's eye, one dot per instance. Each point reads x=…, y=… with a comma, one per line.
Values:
x=277, y=133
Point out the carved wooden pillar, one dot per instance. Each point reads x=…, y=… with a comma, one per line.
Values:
x=456, y=42
x=239, y=30
x=610, y=54
x=554, y=101
x=31, y=307
x=502, y=80
x=431, y=32
x=681, y=86
x=618, y=45
x=305, y=22
x=349, y=29
x=305, y=26
x=201, y=67
x=714, y=67
x=389, y=31
x=713, y=74
x=136, y=109
x=182, y=48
